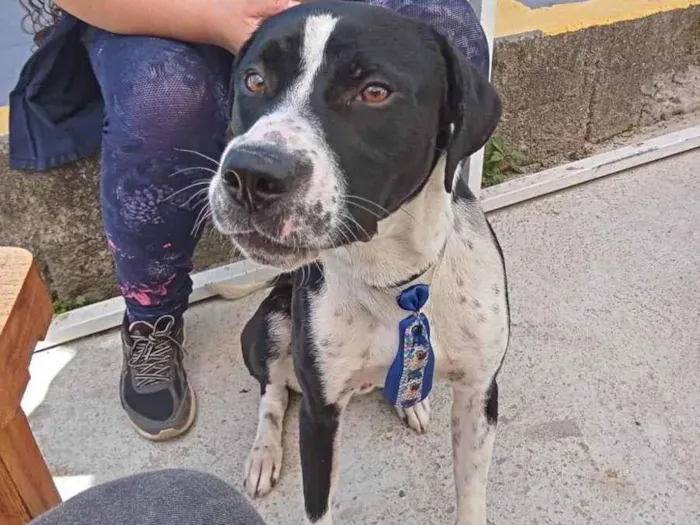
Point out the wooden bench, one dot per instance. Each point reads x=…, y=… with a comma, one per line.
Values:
x=26, y=487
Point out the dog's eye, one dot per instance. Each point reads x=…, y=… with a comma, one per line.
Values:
x=375, y=94
x=255, y=83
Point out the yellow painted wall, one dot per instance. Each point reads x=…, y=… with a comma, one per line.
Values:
x=4, y=120
x=513, y=17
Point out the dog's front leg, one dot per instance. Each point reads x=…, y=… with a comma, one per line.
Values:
x=319, y=435
x=264, y=463
x=474, y=417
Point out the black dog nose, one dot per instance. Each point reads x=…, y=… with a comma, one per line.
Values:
x=256, y=177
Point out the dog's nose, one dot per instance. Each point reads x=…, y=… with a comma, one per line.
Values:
x=257, y=177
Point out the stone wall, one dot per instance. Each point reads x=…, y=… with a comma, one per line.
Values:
x=564, y=92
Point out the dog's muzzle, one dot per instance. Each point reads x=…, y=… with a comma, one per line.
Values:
x=255, y=200
x=256, y=178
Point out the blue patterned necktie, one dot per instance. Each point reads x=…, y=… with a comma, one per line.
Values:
x=410, y=377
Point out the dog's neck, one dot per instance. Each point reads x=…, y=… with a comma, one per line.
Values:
x=408, y=242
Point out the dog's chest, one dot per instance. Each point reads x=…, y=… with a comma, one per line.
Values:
x=357, y=334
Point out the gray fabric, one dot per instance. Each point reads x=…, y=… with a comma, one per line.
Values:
x=166, y=497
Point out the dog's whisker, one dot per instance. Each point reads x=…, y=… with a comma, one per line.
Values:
x=203, y=223
x=303, y=276
x=359, y=226
x=340, y=237
x=373, y=213
x=199, y=192
x=193, y=233
x=200, y=203
x=195, y=152
x=348, y=238
x=353, y=236
x=318, y=267
x=202, y=216
x=238, y=178
x=401, y=209
x=308, y=274
x=187, y=188
x=211, y=233
x=185, y=170
x=347, y=245
x=204, y=192
x=340, y=234
x=379, y=206
x=368, y=201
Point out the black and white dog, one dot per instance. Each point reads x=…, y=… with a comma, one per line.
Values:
x=350, y=123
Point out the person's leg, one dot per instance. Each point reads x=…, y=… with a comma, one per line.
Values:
x=166, y=114
x=167, y=497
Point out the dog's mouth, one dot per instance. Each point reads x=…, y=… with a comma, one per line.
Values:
x=254, y=241
x=270, y=252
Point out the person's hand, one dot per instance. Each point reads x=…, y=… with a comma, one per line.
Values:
x=237, y=20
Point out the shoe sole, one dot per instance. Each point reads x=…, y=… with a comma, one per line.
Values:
x=172, y=433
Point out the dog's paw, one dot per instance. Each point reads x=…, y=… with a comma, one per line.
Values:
x=417, y=417
x=262, y=470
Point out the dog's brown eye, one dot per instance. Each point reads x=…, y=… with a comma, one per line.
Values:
x=255, y=83
x=375, y=94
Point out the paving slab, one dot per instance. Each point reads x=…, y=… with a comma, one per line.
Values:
x=600, y=394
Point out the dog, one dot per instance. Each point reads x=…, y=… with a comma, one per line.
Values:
x=350, y=126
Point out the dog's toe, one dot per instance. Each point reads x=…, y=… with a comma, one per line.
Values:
x=417, y=417
x=262, y=470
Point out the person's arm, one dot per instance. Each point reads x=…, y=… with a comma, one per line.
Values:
x=225, y=23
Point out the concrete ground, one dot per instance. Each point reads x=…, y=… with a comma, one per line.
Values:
x=600, y=394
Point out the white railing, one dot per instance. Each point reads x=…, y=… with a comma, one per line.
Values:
x=486, y=11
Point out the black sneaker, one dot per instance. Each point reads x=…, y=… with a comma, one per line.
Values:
x=154, y=390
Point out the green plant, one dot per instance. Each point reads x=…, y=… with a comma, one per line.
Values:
x=501, y=161
x=61, y=307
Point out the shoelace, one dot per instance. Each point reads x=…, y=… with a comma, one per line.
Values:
x=152, y=355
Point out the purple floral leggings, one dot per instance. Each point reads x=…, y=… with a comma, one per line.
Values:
x=167, y=105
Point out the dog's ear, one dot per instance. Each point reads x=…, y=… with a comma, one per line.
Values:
x=472, y=109
x=243, y=50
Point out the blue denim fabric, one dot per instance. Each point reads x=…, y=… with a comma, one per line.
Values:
x=151, y=102
x=56, y=108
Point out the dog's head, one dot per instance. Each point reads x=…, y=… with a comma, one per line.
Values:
x=340, y=114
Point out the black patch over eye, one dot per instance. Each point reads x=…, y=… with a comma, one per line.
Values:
x=254, y=82
x=374, y=94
